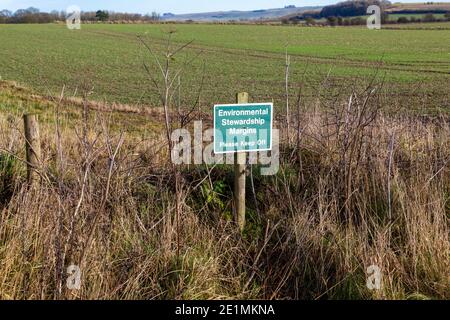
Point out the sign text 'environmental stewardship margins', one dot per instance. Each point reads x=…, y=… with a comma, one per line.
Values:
x=243, y=127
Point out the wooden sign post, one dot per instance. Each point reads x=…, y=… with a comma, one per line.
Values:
x=33, y=147
x=240, y=160
x=241, y=128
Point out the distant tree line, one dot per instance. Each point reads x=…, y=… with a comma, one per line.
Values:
x=351, y=13
x=429, y=17
x=30, y=15
x=354, y=21
x=433, y=11
x=34, y=15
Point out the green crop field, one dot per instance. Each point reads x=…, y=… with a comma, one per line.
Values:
x=228, y=58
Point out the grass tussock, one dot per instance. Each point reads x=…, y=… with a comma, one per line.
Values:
x=355, y=188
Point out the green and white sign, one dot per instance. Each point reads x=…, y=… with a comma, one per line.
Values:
x=243, y=127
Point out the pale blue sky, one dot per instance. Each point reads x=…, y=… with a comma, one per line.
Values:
x=175, y=6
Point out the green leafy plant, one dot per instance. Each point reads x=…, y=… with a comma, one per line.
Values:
x=212, y=196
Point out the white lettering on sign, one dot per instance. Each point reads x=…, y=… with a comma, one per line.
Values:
x=231, y=113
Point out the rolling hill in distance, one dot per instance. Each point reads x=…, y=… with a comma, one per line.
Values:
x=262, y=14
x=291, y=10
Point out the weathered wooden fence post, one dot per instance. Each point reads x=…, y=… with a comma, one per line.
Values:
x=240, y=160
x=33, y=147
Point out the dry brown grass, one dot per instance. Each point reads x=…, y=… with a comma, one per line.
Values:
x=107, y=204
